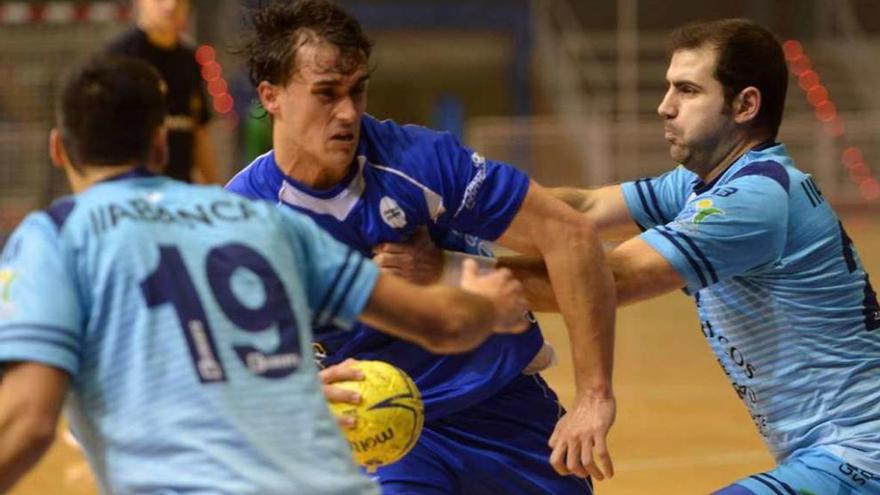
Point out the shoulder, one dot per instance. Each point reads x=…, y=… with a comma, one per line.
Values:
x=389, y=137
x=771, y=170
x=59, y=211
x=130, y=41
x=255, y=180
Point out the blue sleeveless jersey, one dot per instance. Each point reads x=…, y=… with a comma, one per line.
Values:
x=405, y=177
x=783, y=299
x=182, y=314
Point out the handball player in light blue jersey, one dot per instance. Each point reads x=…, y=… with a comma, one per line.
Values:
x=176, y=320
x=783, y=299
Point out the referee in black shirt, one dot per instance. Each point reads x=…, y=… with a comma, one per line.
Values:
x=156, y=39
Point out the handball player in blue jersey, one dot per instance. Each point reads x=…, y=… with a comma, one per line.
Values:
x=783, y=299
x=370, y=182
x=176, y=320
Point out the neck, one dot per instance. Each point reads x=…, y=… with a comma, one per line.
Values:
x=306, y=168
x=738, y=149
x=166, y=39
x=88, y=175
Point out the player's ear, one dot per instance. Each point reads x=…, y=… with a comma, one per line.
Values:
x=57, y=152
x=746, y=105
x=268, y=93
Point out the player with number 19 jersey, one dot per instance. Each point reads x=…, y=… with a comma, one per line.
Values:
x=783, y=299
x=189, y=354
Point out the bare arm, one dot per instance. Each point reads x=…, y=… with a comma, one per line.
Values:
x=584, y=289
x=31, y=396
x=204, y=158
x=605, y=206
x=447, y=319
x=640, y=273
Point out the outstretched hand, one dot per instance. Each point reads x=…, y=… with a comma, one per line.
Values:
x=579, y=442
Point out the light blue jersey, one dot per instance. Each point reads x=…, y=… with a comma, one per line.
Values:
x=782, y=296
x=183, y=315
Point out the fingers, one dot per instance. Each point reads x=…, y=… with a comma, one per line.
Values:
x=586, y=462
x=604, y=456
x=390, y=248
x=346, y=422
x=388, y=261
x=342, y=395
x=557, y=460
x=340, y=372
x=573, y=453
x=573, y=456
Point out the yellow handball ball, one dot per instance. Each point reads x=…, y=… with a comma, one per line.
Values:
x=389, y=418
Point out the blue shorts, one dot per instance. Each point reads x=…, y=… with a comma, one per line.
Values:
x=498, y=447
x=812, y=472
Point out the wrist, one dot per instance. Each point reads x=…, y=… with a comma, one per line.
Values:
x=452, y=266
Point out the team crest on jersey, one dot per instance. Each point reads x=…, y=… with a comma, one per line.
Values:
x=392, y=213
x=478, y=159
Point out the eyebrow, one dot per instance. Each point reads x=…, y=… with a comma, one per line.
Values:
x=336, y=81
x=684, y=82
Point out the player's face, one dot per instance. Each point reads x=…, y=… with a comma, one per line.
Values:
x=698, y=123
x=319, y=111
x=163, y=15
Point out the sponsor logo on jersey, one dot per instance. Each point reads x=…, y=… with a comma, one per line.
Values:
x=7, y=276
x=392, y=213
x=705, y=209
x=473, y=188
x=479, y=246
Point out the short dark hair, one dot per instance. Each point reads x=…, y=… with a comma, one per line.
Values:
x=282, y=27
x=109, y=110
x=748, y=55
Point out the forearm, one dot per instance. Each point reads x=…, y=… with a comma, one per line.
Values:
x=632, y=281
x=436, y=317
x=532, y=274
x=30, y=401
x=585, y=293
x=21, y=446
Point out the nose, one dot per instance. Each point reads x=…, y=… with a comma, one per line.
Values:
x=666, y=109
x=346, y=110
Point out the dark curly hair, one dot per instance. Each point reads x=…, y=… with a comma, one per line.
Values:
x=284, y=26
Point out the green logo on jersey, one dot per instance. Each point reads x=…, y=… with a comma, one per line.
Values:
x=6, y=278
x=705, y=209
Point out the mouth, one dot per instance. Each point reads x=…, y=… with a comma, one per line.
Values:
x=343, y=137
